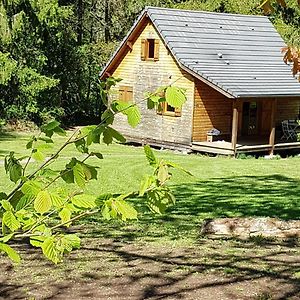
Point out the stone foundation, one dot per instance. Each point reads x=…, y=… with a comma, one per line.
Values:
x=249, y=227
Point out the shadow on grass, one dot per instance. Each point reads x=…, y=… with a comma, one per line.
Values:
x=266, y=196
x=244, y=196
x=113, y=265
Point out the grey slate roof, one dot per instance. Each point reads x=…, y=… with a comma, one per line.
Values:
x=238, y=54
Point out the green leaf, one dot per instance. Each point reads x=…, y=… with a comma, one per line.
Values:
x=94, y=135
x=70, y=242
x=107, y=136
x=67, y=175
x=108, y=117
x=11, y=253
x=10, y=221
x=43, y=229
x=57, y=201
x=13, y=167
x=81, y=146
x=175, y=166
x=161, y=89
x=42, y=202
x=131, y=111
x=86, y=130
x=30, y=142
x=175, y=96
x=106, y=212
x=65, y=216
x=102, y=198
x=6, y=205
x=48, y=173
x=133, y=116
x=155, y=98
x=110, y=133
x=97, y=154
x=3, y=196
x=25, y=200
x=37, y=241
x=6, y=238
x=150, y=104
x=163, y=173
x=145, y=184
x=51, y=251
x=158, y=200
x=125, y=210
x=117, y=135
x=31, y=187
x=50, y=126
x=150, y=156
x=84, y=201
x=38, y=155
x=90, y=172
x=79, y=175
x=46, y=140
x=15, y=198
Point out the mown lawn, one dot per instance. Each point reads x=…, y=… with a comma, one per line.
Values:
x=220, y=187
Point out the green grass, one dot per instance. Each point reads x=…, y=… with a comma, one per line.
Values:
x=220, y=187
x=158, y=252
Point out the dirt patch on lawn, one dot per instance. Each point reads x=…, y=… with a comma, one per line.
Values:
x=110, y=269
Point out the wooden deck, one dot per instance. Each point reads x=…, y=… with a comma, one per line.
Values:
x=225, y=148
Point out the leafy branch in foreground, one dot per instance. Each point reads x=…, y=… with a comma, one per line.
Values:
x=39, y=210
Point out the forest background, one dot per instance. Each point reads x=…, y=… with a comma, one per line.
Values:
x=51, y=51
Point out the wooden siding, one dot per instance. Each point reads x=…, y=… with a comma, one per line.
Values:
x=287, y=108
x=211, y=110
x=147, y=76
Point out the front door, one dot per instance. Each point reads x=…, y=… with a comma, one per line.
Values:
x=250, y=118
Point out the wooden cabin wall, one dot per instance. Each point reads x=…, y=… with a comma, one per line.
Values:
x=287, y=109
x=211, y=110
x=147, y=76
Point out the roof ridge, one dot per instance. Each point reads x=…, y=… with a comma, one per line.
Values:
x=203, y=11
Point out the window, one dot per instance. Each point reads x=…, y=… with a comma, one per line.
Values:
x=168, y=110
x=126, y=93
x=150, y=49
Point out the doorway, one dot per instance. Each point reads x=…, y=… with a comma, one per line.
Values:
x=250, y=118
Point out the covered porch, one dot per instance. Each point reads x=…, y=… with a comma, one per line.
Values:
x=244, y=146
x=255, y=126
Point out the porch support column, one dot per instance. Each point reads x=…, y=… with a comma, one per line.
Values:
x=273, y=126
x=235, y=122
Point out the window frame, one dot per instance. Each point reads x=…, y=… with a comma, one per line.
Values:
x=163, y=110
x=145, y=49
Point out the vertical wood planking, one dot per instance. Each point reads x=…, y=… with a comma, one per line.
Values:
x=211, y=110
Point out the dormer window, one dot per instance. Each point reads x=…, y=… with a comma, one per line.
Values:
x=150, y=49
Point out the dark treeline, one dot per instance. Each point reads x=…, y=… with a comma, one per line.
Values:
x=51, y=51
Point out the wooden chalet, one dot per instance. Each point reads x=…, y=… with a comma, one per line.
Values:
x=232, y=69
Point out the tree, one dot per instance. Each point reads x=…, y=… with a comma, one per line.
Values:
x=32, y=208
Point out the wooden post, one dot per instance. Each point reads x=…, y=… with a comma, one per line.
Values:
x=273, y=126
x=235, y=122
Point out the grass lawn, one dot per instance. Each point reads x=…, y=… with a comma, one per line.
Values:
x=163, y=257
